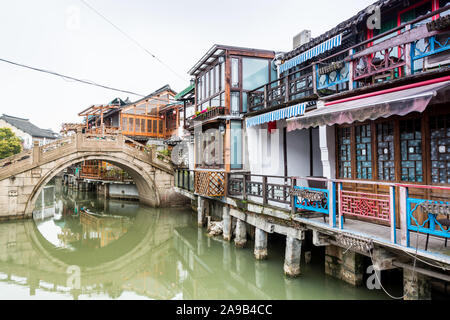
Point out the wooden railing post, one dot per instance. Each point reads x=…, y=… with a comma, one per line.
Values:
x=266, y=95
x=392, y=214
x=286, y=92
x=341, y=218
x=404, y=233
x=332, y=203
x=264, y=189
x=292, y=188
x=244, y=186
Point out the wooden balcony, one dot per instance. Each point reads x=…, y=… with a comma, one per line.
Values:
x=206, y=115
x=411, y=48
x=287, y=89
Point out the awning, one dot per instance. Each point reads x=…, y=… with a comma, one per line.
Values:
x=311, y=53
x=400, y=103
x=284, y=113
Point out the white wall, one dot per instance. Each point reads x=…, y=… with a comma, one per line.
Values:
x=27, y=140
x=123, y=190
x=265, y=151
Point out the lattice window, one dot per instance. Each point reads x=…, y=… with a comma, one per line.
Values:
x=363, y=152
x=130, y=124
x=411, y=150
x=345, y=156
x=385, y=151
x=440, y=148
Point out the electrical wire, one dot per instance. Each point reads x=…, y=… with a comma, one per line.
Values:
x=132, y=40
x=89, y=82
x=70, y=78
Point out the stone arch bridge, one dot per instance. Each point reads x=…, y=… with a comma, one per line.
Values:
x=23, y=176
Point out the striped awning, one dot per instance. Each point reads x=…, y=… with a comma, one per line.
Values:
x=288, y=112
x=311, y=53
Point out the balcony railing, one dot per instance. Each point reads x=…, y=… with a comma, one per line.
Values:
x=410, y=48
x=289, y=88
x=206, y=115
x=184, y=179
x=392, y=207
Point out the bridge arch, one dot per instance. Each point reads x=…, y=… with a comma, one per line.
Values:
x=142, y=174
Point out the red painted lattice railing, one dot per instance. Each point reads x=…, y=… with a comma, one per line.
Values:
x=366, y=205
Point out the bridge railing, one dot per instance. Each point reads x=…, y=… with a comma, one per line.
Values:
x=80, y=142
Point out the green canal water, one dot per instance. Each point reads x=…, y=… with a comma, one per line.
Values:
x=129, y=251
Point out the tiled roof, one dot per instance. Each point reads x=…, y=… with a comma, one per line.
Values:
x=26, y=126
x=360, y=17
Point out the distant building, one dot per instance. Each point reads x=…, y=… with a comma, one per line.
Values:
x=27, y=131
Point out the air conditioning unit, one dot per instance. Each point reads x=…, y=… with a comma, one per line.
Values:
x=436, y=60
x=439, y=59
x=301, y=38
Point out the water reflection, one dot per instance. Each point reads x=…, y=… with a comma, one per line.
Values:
x=129, y=251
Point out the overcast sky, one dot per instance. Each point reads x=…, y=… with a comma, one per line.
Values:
x=67, y=37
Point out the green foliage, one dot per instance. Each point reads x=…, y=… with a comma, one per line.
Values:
x=9, y=143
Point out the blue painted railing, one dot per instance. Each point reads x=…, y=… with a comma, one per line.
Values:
x=316, y=206
x=432, y=47
x=332, y=78
x=428, y=226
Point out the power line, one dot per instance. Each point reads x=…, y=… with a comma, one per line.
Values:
x=89, y=82
x=132, y=39
x=71, y=78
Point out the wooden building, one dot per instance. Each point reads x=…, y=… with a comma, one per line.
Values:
x=368, y=108
x=223, y=77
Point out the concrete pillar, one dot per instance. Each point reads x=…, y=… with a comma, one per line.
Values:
x=416, y=286
x=201, y=212
x=241, y=234
x=347, y=267
x=226, y=221
x=260, y=251
x=292, y=256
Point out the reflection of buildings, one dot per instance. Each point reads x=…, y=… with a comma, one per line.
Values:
x=100, y=231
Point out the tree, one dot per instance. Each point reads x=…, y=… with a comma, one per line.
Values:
x=9, y=143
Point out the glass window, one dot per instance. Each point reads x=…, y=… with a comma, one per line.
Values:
x=244, y=101
x=222, y=76
x=363, y=152
x=440, y=148
x=138, y=125
x=207, y=85
x=222, y=99
x=160, y=124
x=215, y=102
x=234, y=72
x=130, y=124
x=235, y=105
x=236, y=145
x=124, y=124
x=411, y=150
x=344, y=158
x=217, y=78
x=149, y=125
x=385, y=151
x=199, y=89
x=155, y=124
x=255, y=73
x=142, y=125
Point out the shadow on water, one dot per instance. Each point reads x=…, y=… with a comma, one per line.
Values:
x=83, y=246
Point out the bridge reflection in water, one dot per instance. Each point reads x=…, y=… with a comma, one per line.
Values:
x=133, y=252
